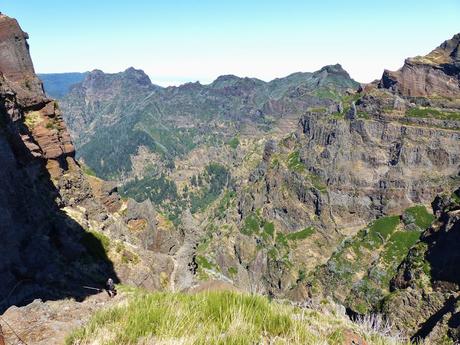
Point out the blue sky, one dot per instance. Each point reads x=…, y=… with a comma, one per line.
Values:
x=177, y=41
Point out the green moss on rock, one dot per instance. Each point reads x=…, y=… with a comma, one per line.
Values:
x=301, y=235
x=419, y=216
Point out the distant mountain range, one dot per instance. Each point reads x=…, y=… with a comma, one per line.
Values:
x=308, y=188
x=168, y=121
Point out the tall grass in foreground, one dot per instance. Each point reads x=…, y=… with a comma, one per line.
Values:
x=214, y=318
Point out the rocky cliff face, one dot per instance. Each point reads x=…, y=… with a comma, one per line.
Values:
x=373, y=168
x=41, y=245
x=436, y=74
x=424, y=301
x=322, y=185
x=60, y=228
x=15, y=62
x=349, y=189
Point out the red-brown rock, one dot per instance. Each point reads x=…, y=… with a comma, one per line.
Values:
x=436, y=74
x=15, y=61
x=47, y=135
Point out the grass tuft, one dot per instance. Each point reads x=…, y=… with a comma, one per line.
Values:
x=294, y=162
x=301, y=235
x=433, y=113
x=234, y=143
x=419, y=216
x=212, y=318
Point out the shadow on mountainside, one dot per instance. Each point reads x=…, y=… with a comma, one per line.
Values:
x=427, y=327
x=44, y=254
x=443, y=254
x=443, y=257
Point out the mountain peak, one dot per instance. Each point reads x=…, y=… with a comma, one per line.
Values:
x=15, y=63
x=435, y=74
x=447, y=53
x=225, y=80
x=337, y=68
x=97, y=78
x=137, y=75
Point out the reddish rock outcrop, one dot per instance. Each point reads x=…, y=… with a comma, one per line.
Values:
x=49, y=211
x=41, y=244
x=436, y=74
x=44, y=133
x=15, y=61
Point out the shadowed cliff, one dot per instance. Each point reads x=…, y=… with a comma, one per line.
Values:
x=44, y=253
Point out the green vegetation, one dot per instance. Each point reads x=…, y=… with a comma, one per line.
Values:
x=397, y=248
x=234, y=142
x=232, y=271
x=433, y=113
x=327, y=93
x=157, y=188
x=419, y=265
x=301, y=235
x=317, y=182
x=206, y=265
x=337, y=115
x=419, y=216
x=217, y=177
x=201, y=261
x=346, y=101
x=87, y=170
x=96, y=243
x=206, y=188
x=269, y=229
x=212, y=318
x=382, y=228
x=350, y=98
x=32, y=119
x=160, y=190
x=363, y=115
x=225, y=203
x=252, y=223
x=255, y=225
x=52, y=125
x=294, y=162
x=127, y=256
x=318, y=110
x=455, y=197
x=277, y=245
x=170, y=142
x=364, y=264
x=108, y=152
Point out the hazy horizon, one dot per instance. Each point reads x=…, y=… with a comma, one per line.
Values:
x=180, y=82
x=181, y=42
